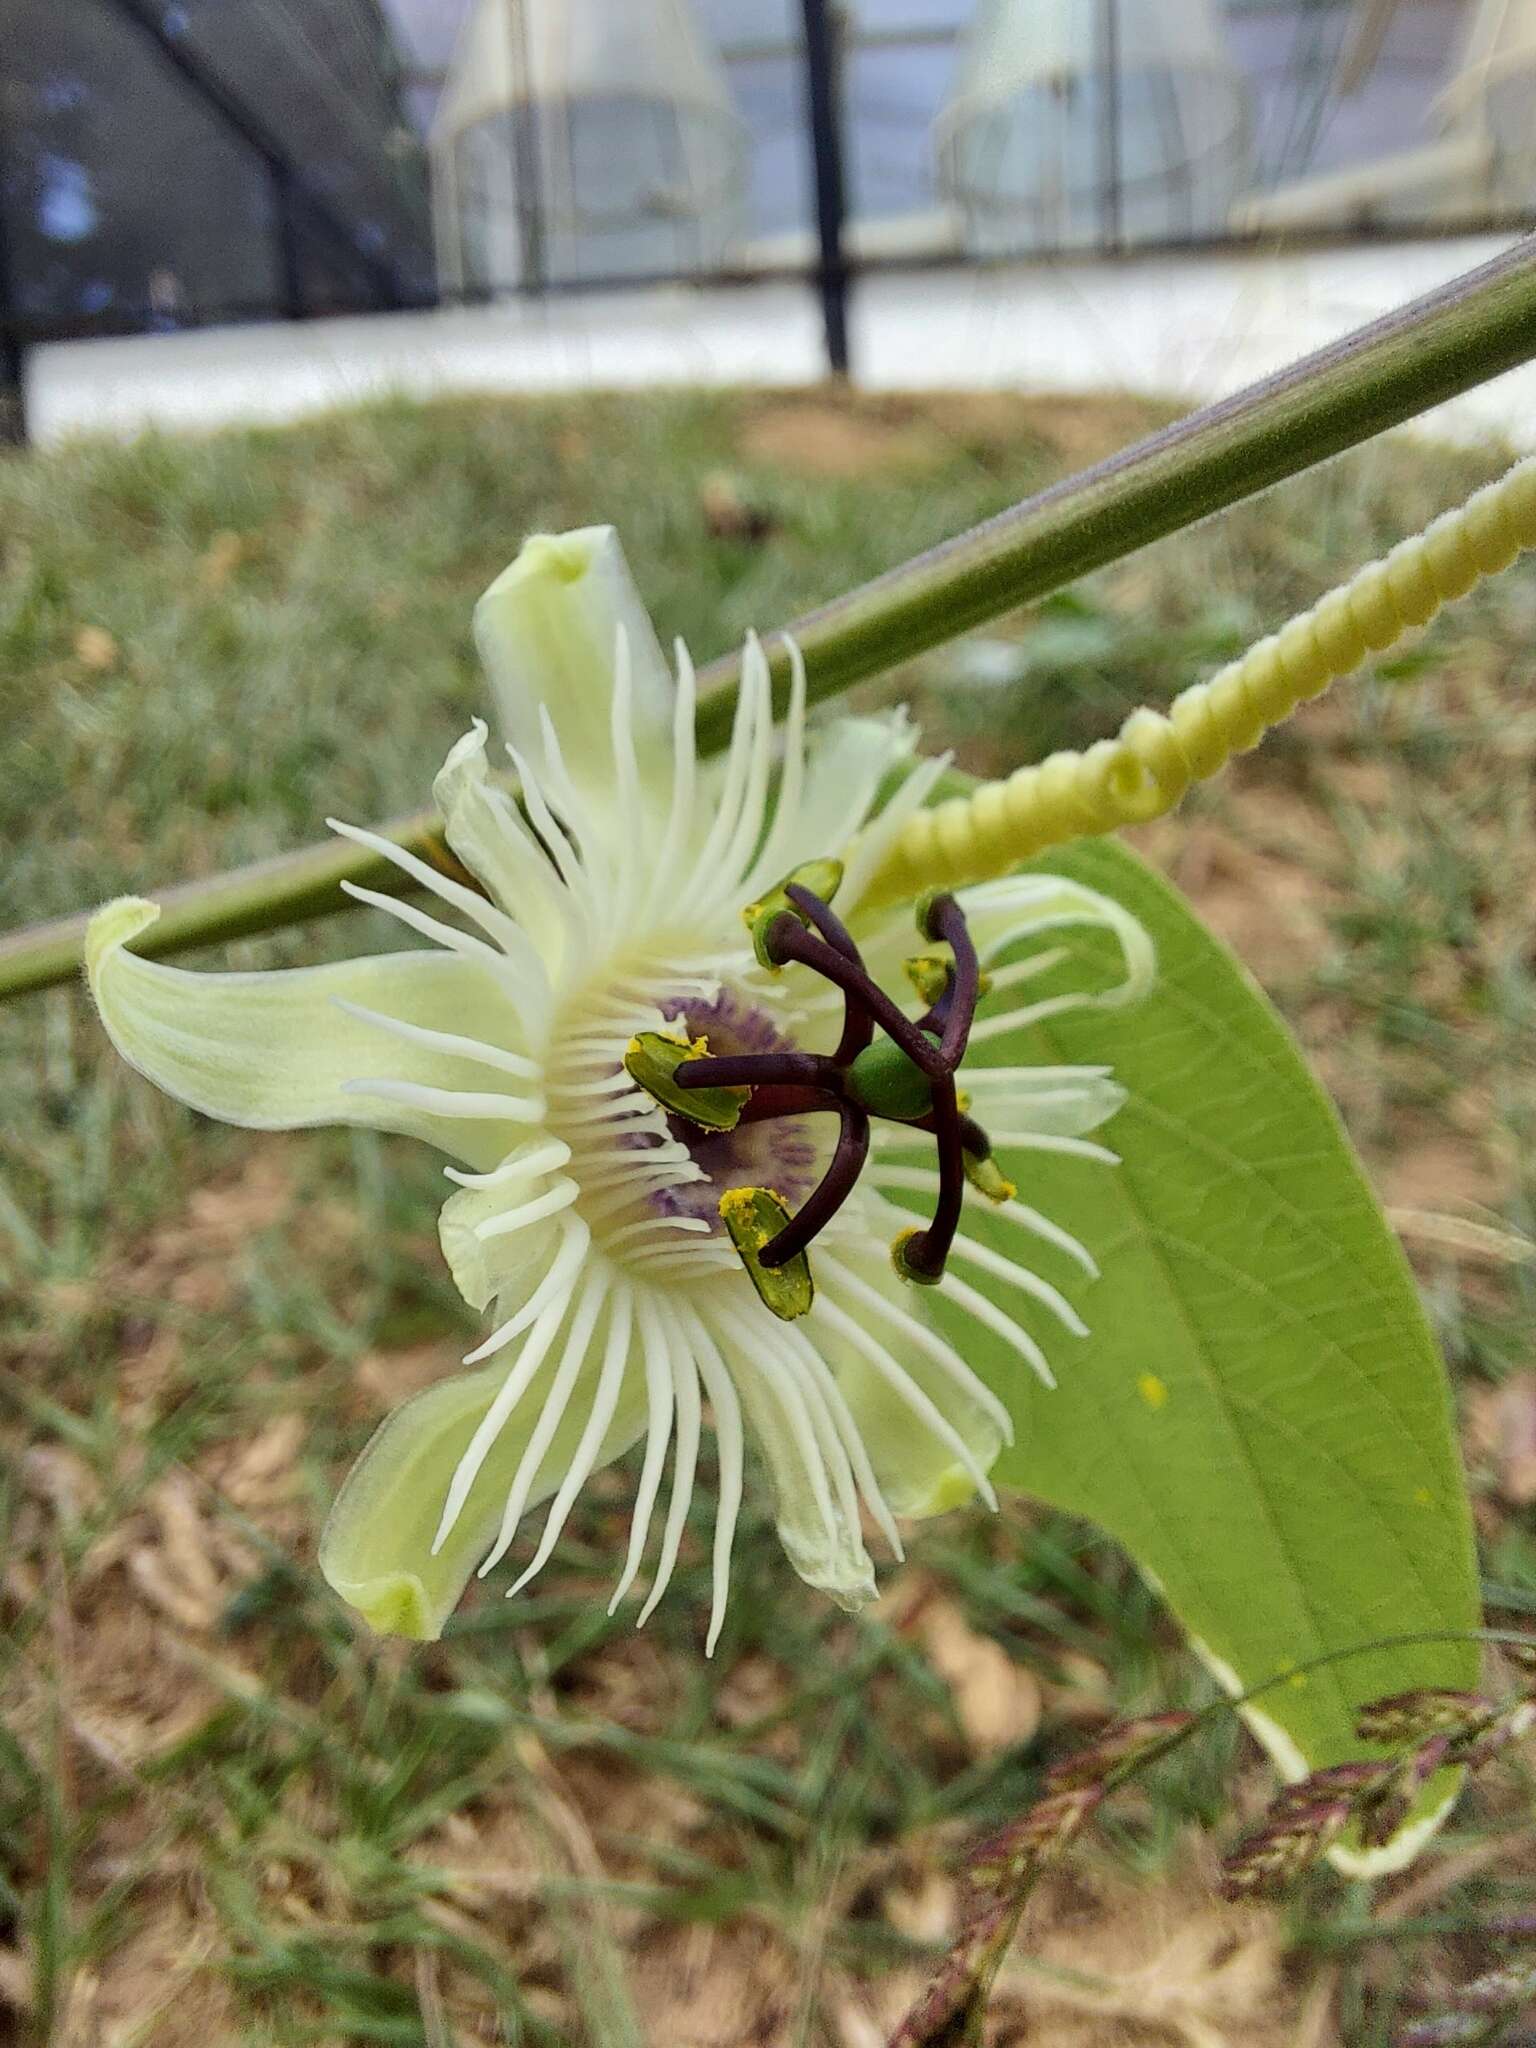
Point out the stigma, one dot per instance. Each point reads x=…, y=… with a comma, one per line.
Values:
x=885, y=1065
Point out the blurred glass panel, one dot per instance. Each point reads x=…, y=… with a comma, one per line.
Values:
x=1495, y=91
x=1000, y=127
x=579, y=141
x=892, y=92
x=769, y=94
x=734, y=24
x=1425, y=119
x=924, y=18
x=1093, y=123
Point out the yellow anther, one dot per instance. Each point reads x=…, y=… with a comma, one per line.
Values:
x=652, y=1060
x=753, y=1217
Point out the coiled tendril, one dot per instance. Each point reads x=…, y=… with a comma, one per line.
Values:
x=1150, y=763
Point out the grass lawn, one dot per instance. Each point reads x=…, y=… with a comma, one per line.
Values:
x=229, y=1816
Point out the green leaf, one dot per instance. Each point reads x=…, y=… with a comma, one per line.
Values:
x=1260, y=1414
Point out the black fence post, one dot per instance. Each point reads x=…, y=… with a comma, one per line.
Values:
x=13, y=385
x=823, y=102
x=13, y=351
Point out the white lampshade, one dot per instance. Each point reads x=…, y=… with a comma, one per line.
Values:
x=1494, y=92
x=1074, y=123
x=598, y=132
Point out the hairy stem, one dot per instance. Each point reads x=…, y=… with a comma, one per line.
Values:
x=1468, y=331
x=261, y=897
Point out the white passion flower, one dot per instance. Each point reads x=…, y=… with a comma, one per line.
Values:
x=652, y=1106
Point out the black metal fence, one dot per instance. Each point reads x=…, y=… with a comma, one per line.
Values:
x=172, y=163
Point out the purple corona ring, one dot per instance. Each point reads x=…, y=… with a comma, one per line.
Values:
x=780, y=1155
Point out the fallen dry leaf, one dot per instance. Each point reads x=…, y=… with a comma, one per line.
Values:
x=730, y=512
x=222, y=557
x=1501, y=1435
x=95, y=649
x=997, y=1701
x=264, y=1470
x=1437, y=1170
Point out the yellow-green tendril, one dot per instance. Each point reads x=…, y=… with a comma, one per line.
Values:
x=1150, y=763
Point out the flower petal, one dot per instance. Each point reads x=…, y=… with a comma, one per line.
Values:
x=1001, y=914
x=482, y=825
x=547, y=630
x=931, y=1428
x=484, y=1267
x=846, y=762
x=376, y=1548
x=1066, y=1110
x=812, y=1485
x=277, y=1051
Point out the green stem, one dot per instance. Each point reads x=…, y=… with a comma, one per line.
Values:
x=1469, y=330
x=1473, y=328
x=261, y=897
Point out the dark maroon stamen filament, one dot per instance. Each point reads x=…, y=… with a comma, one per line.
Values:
x=755, y=1069
x=804, y=1084
x=769, y=1103
x=826, y=921
x=927, y=1252
x=974, y=1138
x=834, y=1188
x=858, y=1023
x=946, y=921
x=787, y=939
